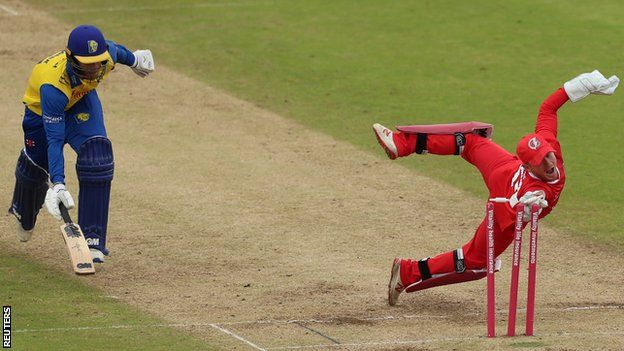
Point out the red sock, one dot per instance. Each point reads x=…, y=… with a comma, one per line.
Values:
x=405, y=143
x=410, y=273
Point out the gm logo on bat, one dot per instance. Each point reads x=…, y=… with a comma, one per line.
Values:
x=6, y=327
x=83, y=265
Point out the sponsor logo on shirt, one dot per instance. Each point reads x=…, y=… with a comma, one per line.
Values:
x=82, y=117
x=52, y=119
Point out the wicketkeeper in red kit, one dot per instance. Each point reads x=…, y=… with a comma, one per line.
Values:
x=535, y=176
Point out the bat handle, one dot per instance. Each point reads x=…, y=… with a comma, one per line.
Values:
x=65, y=213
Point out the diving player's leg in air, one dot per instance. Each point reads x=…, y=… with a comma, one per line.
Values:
x=483, y=153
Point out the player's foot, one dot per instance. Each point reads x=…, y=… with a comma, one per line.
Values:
x=384, y=137
x=395, y=286
x=98, y=256
x=22, y=234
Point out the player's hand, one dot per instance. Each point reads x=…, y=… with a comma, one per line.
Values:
x=531, y=198
x=56, y=195
x=143, y=63
x=590, y=83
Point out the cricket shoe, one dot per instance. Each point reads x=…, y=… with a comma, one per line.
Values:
x=384, y=138
x=395, y=286
x=98, y=256
x=23, y=234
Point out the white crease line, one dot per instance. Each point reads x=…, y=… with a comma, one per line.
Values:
x=96, y=328
x=415, y=316
x=234, y=335
x=373, y=343
x=333, y=320
x=344, y=320
x=427, y=341
x=165, y=7
x=584, y=308
x=122, y=326
x=9, y=10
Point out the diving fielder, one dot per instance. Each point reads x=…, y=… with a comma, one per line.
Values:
x=535, y=176
x=62, y=107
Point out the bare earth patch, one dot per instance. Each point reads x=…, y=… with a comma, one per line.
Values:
x=227, y=214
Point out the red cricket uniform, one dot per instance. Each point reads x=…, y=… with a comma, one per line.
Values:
x=504, y=176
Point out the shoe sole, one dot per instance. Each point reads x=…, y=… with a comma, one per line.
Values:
x=394, y=277
x=390, y=154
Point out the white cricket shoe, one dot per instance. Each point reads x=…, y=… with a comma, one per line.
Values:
x=384, y=137
x=395, y=286
x=98, y=256
x=23, y=234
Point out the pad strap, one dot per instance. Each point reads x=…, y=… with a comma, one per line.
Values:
x=458, y=258
x=423, y=267
x=460, y=142
x=421, y=143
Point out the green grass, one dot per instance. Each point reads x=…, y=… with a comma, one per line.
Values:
x=339, y=66
x=42, y=298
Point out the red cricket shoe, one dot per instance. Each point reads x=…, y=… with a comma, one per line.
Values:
x=395, y=286
x=384, y=137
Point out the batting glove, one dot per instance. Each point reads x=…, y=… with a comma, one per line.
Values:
x=56, y=195
x=143, y=63
x=590, y=83
x=531, y=198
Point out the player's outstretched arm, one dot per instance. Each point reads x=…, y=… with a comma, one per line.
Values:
x=575, y=89
x=590, y=83
x=141, y=61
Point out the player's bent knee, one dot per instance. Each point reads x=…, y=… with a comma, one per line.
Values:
x=95, y=160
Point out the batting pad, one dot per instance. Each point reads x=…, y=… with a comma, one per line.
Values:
x=31, y=185
x=95, y=168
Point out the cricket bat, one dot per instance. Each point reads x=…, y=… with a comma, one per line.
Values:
x=81, y=259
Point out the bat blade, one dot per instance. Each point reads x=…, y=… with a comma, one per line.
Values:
x=81, y=259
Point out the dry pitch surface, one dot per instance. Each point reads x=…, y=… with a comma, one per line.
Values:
x=253, y=232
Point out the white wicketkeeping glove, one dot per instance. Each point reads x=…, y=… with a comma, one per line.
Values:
x=590, y=83
x=143, y=63
x=56, y=195
x=531, y=198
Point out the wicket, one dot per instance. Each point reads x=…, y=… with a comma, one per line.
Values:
x=515, y=270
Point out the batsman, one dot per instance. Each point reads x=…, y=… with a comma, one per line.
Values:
x=535, y=175
x=62, y=107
